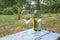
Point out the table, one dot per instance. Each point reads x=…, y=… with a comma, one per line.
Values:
x=30, y=34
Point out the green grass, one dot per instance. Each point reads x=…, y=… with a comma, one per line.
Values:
x=51, y=23
x=9, y=24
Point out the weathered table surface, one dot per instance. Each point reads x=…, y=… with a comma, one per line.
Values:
x=32, y=35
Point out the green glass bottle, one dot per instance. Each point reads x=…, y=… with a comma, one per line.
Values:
x=37, y=15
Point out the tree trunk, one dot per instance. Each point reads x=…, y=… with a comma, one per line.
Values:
x=38, y=5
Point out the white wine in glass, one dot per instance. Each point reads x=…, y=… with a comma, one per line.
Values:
x=26, y=17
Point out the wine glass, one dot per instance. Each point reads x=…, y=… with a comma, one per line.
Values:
x=26, y=18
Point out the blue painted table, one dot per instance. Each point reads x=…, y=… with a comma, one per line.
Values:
x=32, y=35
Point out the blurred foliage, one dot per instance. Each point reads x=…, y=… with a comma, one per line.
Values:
x=10, y=7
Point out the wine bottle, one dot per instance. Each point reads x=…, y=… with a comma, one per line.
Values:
x=37, y=23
